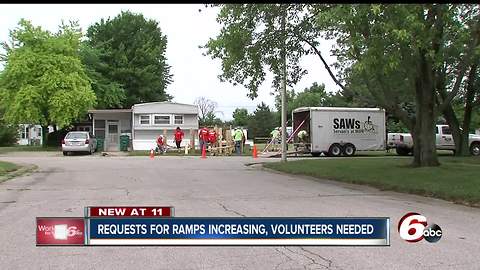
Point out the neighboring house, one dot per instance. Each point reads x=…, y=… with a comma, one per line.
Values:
x=143, y=123
x=30, y=134
x=477, y=131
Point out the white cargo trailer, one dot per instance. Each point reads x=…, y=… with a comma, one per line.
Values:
x=338, y=131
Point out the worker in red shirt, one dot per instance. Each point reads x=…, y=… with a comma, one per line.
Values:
x=161, y=144
x=178, y=137
x=203, y=137
x=212, y=137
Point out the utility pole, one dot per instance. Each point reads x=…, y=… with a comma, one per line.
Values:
x=284, y=85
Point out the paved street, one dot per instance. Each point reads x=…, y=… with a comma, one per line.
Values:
x=217, y=186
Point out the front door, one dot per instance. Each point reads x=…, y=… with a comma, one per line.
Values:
x=113, y=137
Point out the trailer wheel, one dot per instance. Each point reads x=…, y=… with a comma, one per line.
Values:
x=316, y=154
x=403, y=151
x=475, y=149
x=335, y=150
x=349, y=149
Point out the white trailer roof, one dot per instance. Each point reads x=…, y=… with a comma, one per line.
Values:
x=303, y=109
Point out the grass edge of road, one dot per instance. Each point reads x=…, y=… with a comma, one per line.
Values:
x=455, y=180
x=28, y=148
x=10, y=170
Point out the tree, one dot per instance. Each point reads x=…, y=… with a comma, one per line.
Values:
x=249, y=45
x=131, y=50
x=44, y=81
x=262, y=121
x=396, y=55
x=110, y=94
x=461, y=72
x=206, y=108
x=240, y=117
x=8, y=133
x=313, y=96
x=257, y=37
x=388, y=55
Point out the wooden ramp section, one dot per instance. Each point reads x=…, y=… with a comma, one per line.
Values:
x=279, y=154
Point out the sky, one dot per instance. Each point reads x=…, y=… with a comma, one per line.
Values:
x=186, y=28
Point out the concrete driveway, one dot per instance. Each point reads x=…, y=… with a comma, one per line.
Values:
x=211, y=187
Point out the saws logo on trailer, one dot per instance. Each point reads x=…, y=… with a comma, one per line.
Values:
x=354, y=126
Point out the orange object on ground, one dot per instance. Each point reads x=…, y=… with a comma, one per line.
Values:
x=255, y=151
x=204, y=152
x=152, y=154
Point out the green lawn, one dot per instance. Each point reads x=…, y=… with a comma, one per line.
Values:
x=457, y=179
x=26, y=148
x=6, y=167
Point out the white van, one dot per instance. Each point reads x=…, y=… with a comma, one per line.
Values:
x=338, y=131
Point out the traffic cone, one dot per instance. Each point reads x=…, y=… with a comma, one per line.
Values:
x=255, y=151
x=204, y=152
x=152, y=154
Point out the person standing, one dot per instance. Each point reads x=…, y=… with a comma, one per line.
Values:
x=212, y=137
x=275, y=136
x=178, y=137
x=203, y=137
x=238, y=138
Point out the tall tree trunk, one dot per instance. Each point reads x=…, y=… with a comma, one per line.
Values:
x=460, y=135
x=467, y=116
x=454, y=125
x=44, y=135
x=424, y=151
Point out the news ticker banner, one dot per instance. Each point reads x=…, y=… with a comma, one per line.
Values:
x=238, y=231
x=129, y=211
x=125, y=226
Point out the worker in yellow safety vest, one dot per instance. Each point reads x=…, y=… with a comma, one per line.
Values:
x=275, y=138
x=238, y=138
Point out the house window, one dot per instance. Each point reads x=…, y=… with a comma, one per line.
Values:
x=24, y=133
x=39, y=132
x=161, y=120
x=99, y=124
x=178, y=120
x=144, y=119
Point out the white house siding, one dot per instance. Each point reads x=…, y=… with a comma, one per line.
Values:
x=145, y=135
x=30, y=133
x=146, y=139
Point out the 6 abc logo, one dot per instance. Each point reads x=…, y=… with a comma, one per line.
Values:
x=412, y=227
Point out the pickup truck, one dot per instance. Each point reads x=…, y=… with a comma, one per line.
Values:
x=403, y=142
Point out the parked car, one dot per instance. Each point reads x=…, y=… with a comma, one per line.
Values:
x=79, y=141
x=403, y=142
